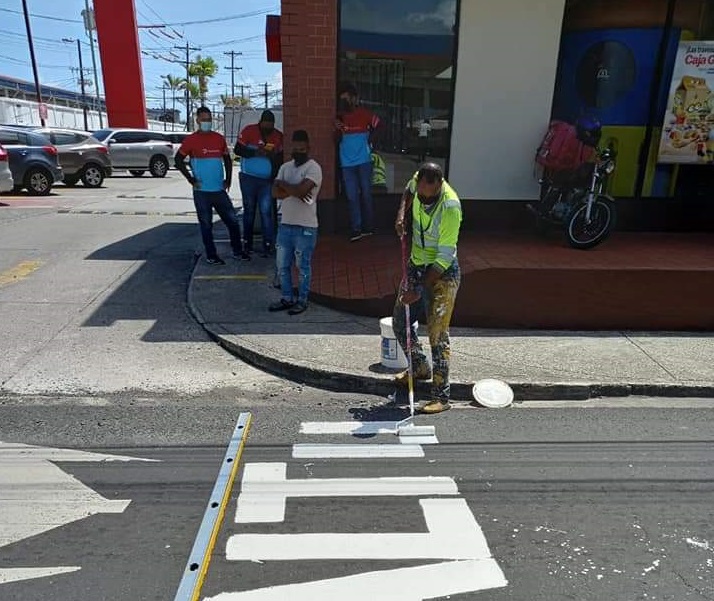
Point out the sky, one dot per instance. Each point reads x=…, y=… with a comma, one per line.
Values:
x=239, y=26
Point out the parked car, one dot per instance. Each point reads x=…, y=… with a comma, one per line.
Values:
x=177, y=138
x=34, y=161
x=6, y=183
x=137, y=150
x=81, y=156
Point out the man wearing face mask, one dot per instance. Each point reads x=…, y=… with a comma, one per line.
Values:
x=433, y=277
x=298, y=186
x=260, y=147
x=210, y=175
x=355, y=129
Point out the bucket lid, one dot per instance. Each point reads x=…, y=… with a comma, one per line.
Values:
x=492, y=393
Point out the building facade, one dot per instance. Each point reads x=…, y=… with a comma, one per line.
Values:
x=474, y=84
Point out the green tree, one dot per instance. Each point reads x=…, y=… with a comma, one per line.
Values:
x=236, y=101
x=203, y=69
x=175, y=84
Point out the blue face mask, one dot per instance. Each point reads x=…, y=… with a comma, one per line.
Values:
x=205, y=125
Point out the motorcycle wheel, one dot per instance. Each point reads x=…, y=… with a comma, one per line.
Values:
x=582, y=235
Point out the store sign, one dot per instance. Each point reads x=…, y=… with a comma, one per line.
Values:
x=688, y=132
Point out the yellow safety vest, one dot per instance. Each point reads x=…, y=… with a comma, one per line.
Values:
x=379, y=170
x=435, y=233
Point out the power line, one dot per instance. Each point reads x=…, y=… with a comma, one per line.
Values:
x=255, y=13
x=18, y=12
x=236, y=41
x=233, y=70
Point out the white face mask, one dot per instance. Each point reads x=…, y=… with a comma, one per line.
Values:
x=205, y=125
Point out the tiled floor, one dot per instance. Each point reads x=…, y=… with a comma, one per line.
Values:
x=371, y=268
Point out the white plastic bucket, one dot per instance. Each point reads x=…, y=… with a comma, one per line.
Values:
x=392, y=355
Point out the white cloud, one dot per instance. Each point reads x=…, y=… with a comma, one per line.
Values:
x=444, y=14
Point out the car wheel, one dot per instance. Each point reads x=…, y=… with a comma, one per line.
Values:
x=159, y=166
x=70, y=181
x=136, y=173
x=38, y=182
x=93, y=176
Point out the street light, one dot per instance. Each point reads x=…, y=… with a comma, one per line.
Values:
x=81, y=79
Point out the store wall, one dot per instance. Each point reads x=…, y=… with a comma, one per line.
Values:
x=507, y=59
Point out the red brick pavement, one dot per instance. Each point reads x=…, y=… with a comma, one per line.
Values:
x=634, y=280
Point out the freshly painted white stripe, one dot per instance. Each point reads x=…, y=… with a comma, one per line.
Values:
x=409, y=440
x=17, y=574
x=404, y=584
x=356, y=451
x=453, y=534
x=354, y=428
x=265, y=489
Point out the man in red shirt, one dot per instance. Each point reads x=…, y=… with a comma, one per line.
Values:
x=260, y=147
x=210, y=175
x=355, y=128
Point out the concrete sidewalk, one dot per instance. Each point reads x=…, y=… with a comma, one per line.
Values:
x=333, y=350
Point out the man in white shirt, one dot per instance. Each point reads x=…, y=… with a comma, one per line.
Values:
x=297, y=187
x=424, y=135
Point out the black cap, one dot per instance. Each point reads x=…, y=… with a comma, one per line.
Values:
x=267, y=117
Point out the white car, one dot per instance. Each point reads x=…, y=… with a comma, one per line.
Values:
x=6, y=183
x=138, y=150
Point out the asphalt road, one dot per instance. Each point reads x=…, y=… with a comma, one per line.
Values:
x=542, y=501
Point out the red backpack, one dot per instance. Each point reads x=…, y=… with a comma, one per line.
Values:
x=561, y=149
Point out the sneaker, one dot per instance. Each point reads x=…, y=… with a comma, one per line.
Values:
x=356, y=237
x=421, y=372
x=266, y=252
x=433, y=407
x=298, y=308
x=369, y=233
x=245, y=256
x=215, y=261
x=281, y=305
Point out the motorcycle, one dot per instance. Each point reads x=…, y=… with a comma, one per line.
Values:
x=576, y=201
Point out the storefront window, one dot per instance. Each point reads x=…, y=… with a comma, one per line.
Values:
x=399, y=56
x=617, y=62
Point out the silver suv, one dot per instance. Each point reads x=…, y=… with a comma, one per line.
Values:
x=137, y=150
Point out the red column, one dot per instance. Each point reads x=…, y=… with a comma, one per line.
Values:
x=121, y=62
x=308, y=32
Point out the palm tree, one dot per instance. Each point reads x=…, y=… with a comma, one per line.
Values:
x=203, y=69
x=175, y=84
x=235, y=101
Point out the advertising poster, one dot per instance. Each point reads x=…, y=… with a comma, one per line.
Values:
x=688, y=132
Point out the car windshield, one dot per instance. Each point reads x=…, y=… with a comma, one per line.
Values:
x=102, y=134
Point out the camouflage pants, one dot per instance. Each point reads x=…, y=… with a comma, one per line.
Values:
x=437, y=305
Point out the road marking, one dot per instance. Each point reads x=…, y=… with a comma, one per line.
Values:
x=19, y=272
x=17, y=574
x=354, y=428
x=202, y=551
x=265, y=490
x=356, y=451
x=250, y=277
x=404, y=584
x=37, y=496
x=453, y=534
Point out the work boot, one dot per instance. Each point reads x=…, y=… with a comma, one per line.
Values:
x=433, y=407
x=421, y=372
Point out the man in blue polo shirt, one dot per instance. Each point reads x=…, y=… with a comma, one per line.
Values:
x=211, y=175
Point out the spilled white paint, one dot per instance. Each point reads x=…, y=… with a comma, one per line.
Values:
x=405, y=584
x=357, y=451
x=8, y=575
x=453, y=533
x=265, y=490
x=701, y=544
x=419, y=440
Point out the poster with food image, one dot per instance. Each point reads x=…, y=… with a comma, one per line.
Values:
x=688, y=132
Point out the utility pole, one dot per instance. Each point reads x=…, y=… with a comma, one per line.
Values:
x=266, y=94
x=81, y=80
x=188, y=48
x=233, y=70
x=89, y=26
x=164, y=87
x=242, y=94
x=38, y=91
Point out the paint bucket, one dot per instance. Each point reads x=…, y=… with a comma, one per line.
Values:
x=392, y=355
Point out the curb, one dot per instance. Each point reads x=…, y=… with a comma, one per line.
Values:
x=460, y=391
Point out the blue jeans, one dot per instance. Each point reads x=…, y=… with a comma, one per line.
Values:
x=295, y=245
x=205, y=202
x=358, y=187
x=257, y=194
